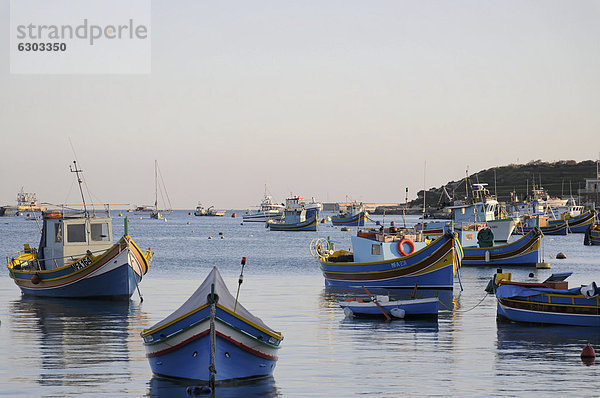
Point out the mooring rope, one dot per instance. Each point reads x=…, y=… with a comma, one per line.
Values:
x=463, y=311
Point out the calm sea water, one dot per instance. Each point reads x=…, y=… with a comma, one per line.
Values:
x=59, y=348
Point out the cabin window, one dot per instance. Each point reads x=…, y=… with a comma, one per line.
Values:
x=58, y=232
x=375, y=250
x=100, y=232
x=76, y=233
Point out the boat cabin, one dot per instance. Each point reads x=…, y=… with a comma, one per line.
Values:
x=69, y=236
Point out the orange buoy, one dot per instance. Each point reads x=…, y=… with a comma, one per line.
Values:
x=588, y=355
x=233, y=215
x=190, y=213
x=322, y=221
x=35, y=279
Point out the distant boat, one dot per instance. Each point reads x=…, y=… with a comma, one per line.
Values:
x=26, y=202
x=266, y=211
x=528, y=223
x=578, y=223
x=212, y=321
x=76, y=258
x=201, y=211
x=354, y=215
x=547, y=303
x=295, y=217
x=380, y=304
x=155, y=212
x=390, y=260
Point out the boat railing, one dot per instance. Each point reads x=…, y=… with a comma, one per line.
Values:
x=33, y=264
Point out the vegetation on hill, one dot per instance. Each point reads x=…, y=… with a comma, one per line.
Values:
x=560, y=179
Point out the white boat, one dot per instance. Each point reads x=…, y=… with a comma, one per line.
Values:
x=266, y=211
x=156, y=213
x=485, y=212
x=211, y=211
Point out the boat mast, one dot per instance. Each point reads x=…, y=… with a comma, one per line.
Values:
x=155, y=185
x=75, y=170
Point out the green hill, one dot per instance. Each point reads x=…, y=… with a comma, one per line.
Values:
x=561, y=179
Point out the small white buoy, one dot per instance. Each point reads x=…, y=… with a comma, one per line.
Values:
x=397, y=312
x=348, y=312
x=140, y=217
x=252, y=236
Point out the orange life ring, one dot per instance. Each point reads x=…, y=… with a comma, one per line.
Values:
x=410, y=244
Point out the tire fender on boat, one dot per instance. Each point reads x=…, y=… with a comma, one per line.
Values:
x=411, y=246
x=35, y=279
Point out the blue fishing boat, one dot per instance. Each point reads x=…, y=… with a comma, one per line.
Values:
x=295, y=217
x=522, y=252
x=384, y=259
x=77, y=258
x=592, y=235
x=212, y=338
x=577, y=224
x=379, y=305
x=549, y=302
x=354, y=215
x=555, y=227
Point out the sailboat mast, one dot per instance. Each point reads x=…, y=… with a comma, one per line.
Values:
x=75, y=170
x=155, y=185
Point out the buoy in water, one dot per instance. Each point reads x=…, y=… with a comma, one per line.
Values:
x=588, y=355
x=345, y=229
x=210, y=237
x=398, y=312
x=220, y=233
x=190, y=213
x=222, y=237
x=322, y=221
x=233, y=215
x=561, y=256
x=120, y=214
x=393, y=223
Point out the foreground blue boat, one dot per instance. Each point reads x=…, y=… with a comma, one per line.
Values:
x=378, y=305
x=181, y=345
x=549, y=302
x=390, y=260
x=522, y=252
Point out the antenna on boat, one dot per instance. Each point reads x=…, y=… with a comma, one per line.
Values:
x=239, y=283
x=75, y=170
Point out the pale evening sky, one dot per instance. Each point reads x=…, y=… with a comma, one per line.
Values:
x=320, y=98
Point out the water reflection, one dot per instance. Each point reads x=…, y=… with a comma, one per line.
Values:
x=80, y=343
x=266, y=387
x=519, y=341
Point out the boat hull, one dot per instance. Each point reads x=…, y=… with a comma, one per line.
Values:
x=308, y=225
x=523, y=252
x=426, y=307
x=112, y=275
x=558, y=228
x=580, y=223
x=183, y=349
x=430, y=268
x=595, y=237
x=551, y=309
x=350, y=221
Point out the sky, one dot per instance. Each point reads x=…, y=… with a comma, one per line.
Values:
x=324, y=99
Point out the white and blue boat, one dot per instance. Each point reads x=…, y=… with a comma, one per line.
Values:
x=522, y=252
x=548, y=303
x=268, y=210
x=354, y=215
x=390, y=260
x=295, y=217
x=76, y=258
x=212, y=337
x=377, y=305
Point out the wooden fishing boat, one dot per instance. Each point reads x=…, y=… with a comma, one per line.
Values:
x=76, y=258
x=579, y=223
x=379, y=305
x=522, y=252
x=212, y=337
x=295, y=218
x=384, y=259
x=354, y=215
x=528, y=223
x=549, y=302
x=592, y=235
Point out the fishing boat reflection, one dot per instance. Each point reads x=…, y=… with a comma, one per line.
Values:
x=80, y=343
x=161, y=387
